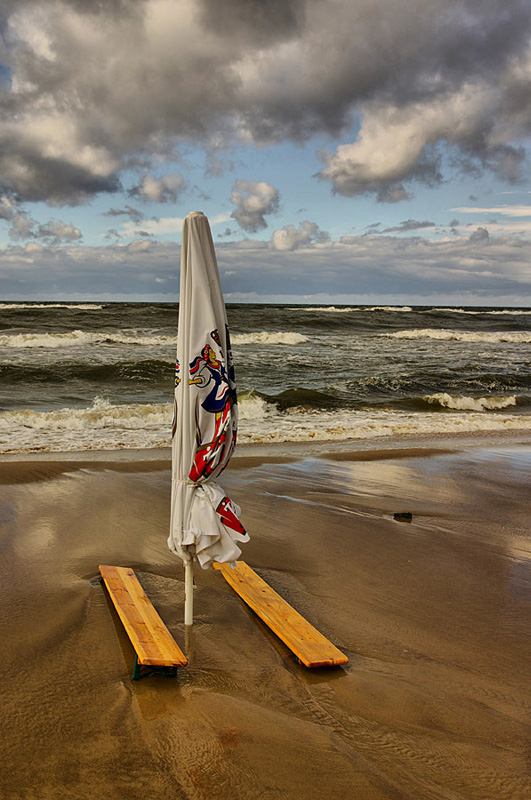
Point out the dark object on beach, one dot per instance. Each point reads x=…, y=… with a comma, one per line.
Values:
x=404, y=516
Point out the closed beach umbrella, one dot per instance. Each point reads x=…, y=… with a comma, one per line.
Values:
x=205, y=524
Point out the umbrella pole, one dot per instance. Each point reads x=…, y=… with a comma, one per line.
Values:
x=188, y=593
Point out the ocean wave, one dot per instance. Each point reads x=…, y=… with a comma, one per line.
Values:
x=76, y=338
x=509, y=312
x=268, y=337
x=99, y=427
x=72, y=307
x=101, y=414
x=341, y=425
x=328, y=309
x=300, y=397
x=79, y=338
x=145, y=370
x=346, y=309
x=389, y=308
x=253, y=408
x=488, y=337
x=444, y=400
x=104, y=426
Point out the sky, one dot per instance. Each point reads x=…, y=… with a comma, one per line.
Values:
x=345, y=151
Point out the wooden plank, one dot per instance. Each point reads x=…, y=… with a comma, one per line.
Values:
x=152, y=641
x=308, y=644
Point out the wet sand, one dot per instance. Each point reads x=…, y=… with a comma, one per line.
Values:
x=433, y=614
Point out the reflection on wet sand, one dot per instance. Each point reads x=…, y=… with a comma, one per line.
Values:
x=431, y=615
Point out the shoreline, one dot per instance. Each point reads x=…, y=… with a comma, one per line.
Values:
x=405, y=446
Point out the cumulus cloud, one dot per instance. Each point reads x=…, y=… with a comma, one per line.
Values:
x=399, y=143
x=291, y=238
x=58, y=232
x=22, y=227
x=8, y=207
x=159, y=190
x=139, y=246
x=96, y=88
x=480, y=235
x=53, y=232
x=253, y=200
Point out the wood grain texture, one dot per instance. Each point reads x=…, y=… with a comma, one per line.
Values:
x=152, y=641
x=306, y=642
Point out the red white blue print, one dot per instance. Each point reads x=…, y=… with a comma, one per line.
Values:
x=215, y=443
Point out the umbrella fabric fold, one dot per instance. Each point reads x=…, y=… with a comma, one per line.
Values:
x=205, y=524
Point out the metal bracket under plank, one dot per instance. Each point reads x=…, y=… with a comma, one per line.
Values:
x=309, y=645
x=142, y=671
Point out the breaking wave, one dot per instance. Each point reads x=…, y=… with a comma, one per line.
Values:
x=268, y=337
x=78, y=338
x=331, y=309
x=346, y=309
x=70, y=306
x=389, y=308
x=509, y=312
x=489, y=337
x=104, y=426
x=444, y=400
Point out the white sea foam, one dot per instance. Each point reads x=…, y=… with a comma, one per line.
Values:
x=470, y=403
x=334, y=309
x=104, y=426
x=268, y=337
x=389, y=308
x=344, y=309
x=78, y=337
x=510, y=312
x=101, y=426
x=253, y=409
x=488, y=337
x=73, y=306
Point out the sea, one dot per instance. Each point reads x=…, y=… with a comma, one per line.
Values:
x=100, y=376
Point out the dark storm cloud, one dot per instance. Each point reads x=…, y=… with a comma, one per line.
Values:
x=409, y=225
x=255, y=22
x=96, y=87
x=132, y=213
x=480, y=236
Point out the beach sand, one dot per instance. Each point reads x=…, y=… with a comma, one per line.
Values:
x=433, y=614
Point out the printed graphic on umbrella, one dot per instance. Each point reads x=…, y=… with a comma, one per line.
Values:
x=205, y=525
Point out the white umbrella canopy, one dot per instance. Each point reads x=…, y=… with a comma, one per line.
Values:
x=204, y=524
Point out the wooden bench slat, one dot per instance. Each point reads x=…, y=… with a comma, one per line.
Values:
x=149, y=628
x=152, y=641
x=308, y=644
